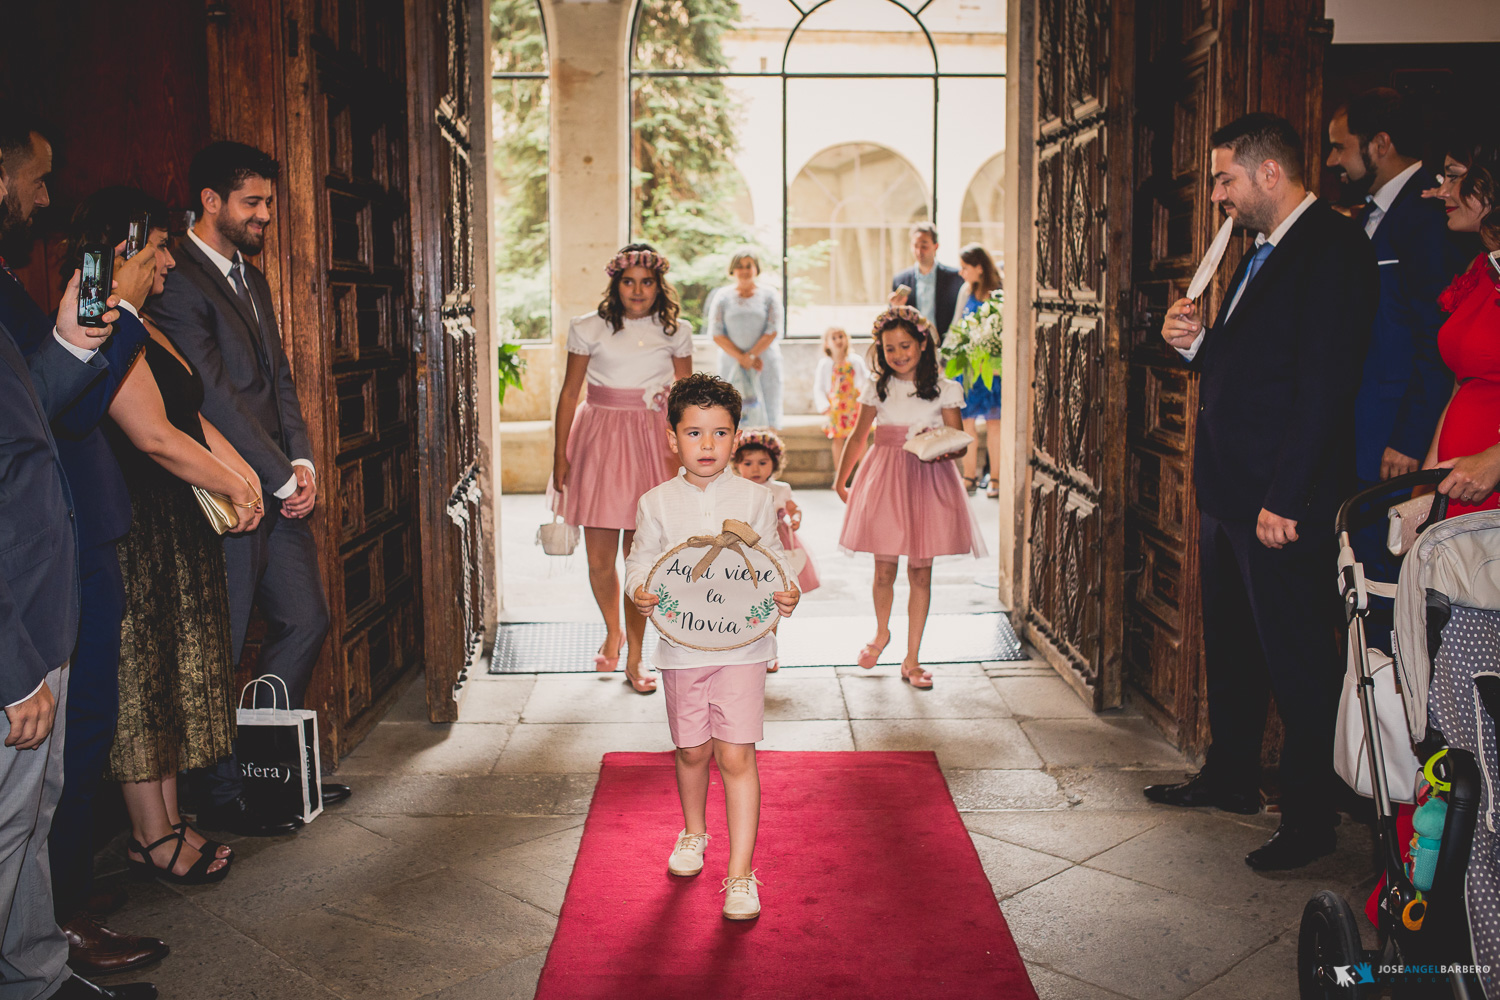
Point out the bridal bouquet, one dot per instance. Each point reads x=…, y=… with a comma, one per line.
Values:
x=972, y=347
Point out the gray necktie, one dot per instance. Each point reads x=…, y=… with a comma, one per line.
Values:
x=242, y=289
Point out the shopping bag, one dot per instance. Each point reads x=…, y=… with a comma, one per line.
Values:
x=280, y=761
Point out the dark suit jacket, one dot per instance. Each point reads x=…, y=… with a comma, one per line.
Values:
x=1405, y=384
x=247, y=384
x=38, y=568
x=103, y=506
x=948, y=284
x=1275, y=423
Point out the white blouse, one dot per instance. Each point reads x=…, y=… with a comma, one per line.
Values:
x=823, y=379
x=639, y=356
x=902, y=405
x=780, y=492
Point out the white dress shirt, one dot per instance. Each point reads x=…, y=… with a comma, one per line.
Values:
x=1261, y=239
x=675, y=511
x=225, y=265
x=1380, y=201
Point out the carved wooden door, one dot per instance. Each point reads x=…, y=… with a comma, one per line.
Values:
x=450, y=452
x=358, y=75
x=1199, y=65
x=1072, y=574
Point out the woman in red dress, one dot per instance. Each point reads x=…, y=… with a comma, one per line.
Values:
x=1467, y=439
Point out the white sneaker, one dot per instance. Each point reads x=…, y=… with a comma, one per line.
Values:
x=741, y=900
x=687, y=856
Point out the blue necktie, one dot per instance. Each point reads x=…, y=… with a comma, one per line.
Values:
x=1256, y=260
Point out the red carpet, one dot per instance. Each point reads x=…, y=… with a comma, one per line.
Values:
x=872, y=891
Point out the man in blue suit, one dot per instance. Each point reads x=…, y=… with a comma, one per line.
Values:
x=102, y=516
x=40, y=610
x=1374, y=141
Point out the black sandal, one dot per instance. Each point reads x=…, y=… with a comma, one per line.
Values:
x=971, y=484
x=210, y=847
x=196, y=875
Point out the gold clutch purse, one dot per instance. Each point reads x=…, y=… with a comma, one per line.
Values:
x=218, y=508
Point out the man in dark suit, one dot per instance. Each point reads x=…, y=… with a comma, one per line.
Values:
x=39, y=614
x=1275, y=444
x=102, y=517
x=218, y=308
x=1373, y=141
x=935, y=287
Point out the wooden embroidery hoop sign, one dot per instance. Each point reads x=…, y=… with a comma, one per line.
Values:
x=709, y=603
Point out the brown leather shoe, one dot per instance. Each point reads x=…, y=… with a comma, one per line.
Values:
x=95, y=949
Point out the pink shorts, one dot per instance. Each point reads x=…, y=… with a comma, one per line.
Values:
x=726, y=703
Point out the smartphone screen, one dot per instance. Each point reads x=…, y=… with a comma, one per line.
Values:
x=1495, y=263
x=94, y=284
x=135, y=236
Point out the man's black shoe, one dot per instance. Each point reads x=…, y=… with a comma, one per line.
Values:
x=1292, y=847
x=1202, y=790
x=335, y=793
x=78, y=988
x=236, y=816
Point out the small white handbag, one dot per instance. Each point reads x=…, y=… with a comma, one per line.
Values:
x=1404, y=520
x=935, y=442
x=1351, y=758
x=558, y=538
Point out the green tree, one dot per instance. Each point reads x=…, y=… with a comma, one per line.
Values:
x=523, y=284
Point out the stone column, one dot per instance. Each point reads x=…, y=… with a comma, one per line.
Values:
x=1020, y=241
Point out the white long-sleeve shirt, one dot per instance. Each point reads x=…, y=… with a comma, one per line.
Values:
x=675, y=511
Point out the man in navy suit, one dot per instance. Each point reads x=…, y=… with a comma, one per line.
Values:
x=934, y=286
x=1274, y=455
x=68, y=367
x=1373, y=141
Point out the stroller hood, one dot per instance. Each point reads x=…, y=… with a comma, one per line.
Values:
x=1458, y=562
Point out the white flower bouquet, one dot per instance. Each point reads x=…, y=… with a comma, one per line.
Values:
x=972, y=348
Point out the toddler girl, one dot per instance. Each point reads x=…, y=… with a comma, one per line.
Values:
x=836, y=385
x=758, y=456
x=901, y=505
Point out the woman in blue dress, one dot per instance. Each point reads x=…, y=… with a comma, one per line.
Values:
x=747, y=321
x=981, y=280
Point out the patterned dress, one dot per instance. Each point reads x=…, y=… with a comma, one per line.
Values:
x=843, y=402
x=176, y=673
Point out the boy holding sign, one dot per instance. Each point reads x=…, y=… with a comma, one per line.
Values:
x=714, y=670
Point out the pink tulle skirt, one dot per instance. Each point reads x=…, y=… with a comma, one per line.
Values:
x=901, y=505
x=807, y=576
x=617, y=450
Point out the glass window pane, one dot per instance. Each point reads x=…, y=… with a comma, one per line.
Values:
x=860, y=36
x=969, y=34
x=520, y=40
x=683, y=34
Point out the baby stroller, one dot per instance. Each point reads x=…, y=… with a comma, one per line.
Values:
x=1435, y=707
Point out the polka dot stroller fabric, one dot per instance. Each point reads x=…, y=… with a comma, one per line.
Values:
x=1471, y=647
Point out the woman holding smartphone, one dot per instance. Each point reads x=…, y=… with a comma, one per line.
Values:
x=1467, y=439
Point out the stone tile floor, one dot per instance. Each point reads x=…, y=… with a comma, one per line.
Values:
x=443, y=876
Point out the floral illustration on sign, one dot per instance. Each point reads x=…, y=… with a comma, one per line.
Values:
x=761, y=612
x=668, y=603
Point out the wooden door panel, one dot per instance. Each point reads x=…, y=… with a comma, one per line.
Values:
x=1072, y=549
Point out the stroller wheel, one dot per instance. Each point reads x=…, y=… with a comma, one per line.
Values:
x=1328, y=950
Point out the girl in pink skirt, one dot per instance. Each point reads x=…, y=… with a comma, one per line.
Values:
x=901, y=505
x=613, y=448
x=759, y=454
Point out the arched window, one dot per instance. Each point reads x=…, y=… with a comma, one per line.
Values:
x=811, y=101
x=982, y=218
x=857, y=201
x=523, y=278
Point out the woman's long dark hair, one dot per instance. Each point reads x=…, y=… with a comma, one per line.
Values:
x=989, y=277
x=104, y=217
x=665, y=308
x=927, y=369
x=1478, y=149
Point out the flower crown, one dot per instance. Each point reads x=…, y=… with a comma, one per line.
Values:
x=626, y=259
x=908, y=314
x=763, y=437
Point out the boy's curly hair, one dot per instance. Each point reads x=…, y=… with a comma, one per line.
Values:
x=761, y=439
x=702, y=390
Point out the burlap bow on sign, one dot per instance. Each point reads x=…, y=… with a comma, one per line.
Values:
x=734, y=535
